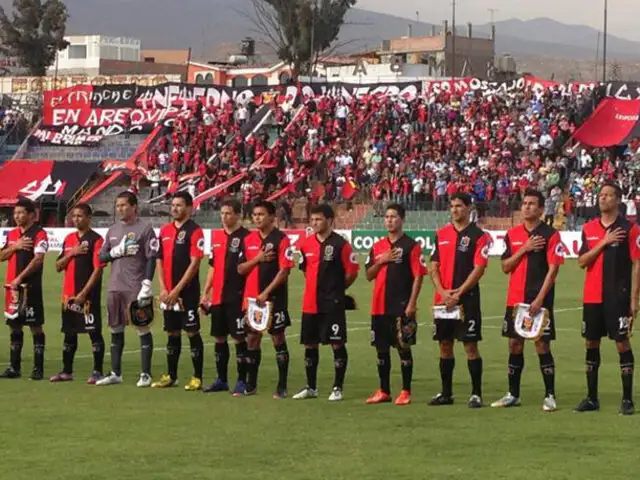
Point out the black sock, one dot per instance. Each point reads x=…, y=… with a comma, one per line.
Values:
x=254, y=358
x=197, y=354
x=475, y=370
x=311, y=360
x=548, y=369
x=446, y=374
x=592, y=365
x=516, y=365
x=97, y=347
x=15, y=352
x=222, y=361
x=174, y=348
x=117, y=347
x=38, y=351
x=340, y=361
x=69, y=348
x=384, y=371
x=146, y=352
x=406, y=365
x=626, y=370
x=282, y=359
x=241, y=361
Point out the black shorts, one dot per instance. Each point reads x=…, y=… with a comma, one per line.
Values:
x=467, y=331
x=78, y=323
x=384, y=331
x=227, y=319
x=509, y=331
x=324, y=328
x=600, y=320
x=33, y=317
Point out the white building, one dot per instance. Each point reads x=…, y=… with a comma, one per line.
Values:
x=85, y=52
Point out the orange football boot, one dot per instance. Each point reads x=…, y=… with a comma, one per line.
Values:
x=404, y=398
x=379, y=397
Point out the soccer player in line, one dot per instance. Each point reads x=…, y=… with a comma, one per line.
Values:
x=268, y=259
x=24, y=250
x=457, y=265
x=610, y=253
x=222, y=296
x=532, y=259
x=82, y=291
x=398, y=267
x=179, y=257
x=330, y=267
x=131, y=247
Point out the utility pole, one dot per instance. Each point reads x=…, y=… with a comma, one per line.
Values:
x=604, y=43
x=417, y=20
x=312, y=60
x=492, y=12
x=453, y=40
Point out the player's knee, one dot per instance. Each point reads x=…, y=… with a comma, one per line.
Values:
x=116, y=330
x=278, y=339
x=16, y=329
x=471, y=349
x=592, y=344
x=382, y=350
x=542, y=347
x=175, y=333
x=623, y=346
x=516, y=346
x=312, y=346
x=36, y=329
x=446, y=349
x=193, y=333
x=336, y=346
x=142, y=331
x=221, y=340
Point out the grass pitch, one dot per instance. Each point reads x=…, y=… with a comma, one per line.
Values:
x=75, y=431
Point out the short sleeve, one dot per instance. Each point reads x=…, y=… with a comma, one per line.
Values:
x=349, y=260
x=96, y=253
x=507, y=248
x=435, y=256
x=151, y=244
x=555, y=250
x=41, y=243
x=64, y=247
x=634, y=243
x=285, y=254
x=584, y=246
x=418, y=262
x=481, y=255
x=196, y=249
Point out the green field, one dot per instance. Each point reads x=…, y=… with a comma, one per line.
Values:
x=74, y=431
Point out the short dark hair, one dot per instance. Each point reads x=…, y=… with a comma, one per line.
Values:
x=325, y=209
x=399, y=209
x=532, y=192
x=463, y=197
x=27, y=204
x=129, y=197
x=268, y=206
x=186, y=196
x=233, y=203
x=615, y=187
x=86, y=209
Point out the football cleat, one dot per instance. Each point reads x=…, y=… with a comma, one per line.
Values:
x=507, y=401
x=36, y=374
x=10, y=373
x=627, y=408
x=240, y=389
x=404, y=398
x=111, y=379
x=94, y=378
x=549, y=404
x=336, y=395
x=194, y=385
x=144, y=381
x=440, y=400
x=306, y=393
x=588, y=405
x=61, y=377
x=475, y=401
x=281, y=394
x=378, y=397
x=165, y=382
x=250, y=391
x=217, y=386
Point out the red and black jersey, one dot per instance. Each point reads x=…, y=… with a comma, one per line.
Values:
x=394, y=282
x=177, y=247
x=20, y=259
x=226, y=255
x=263, y=274
x=458, y=253
x=525, y=282
x=325, y=265
x=81, y=267
x=608, y=278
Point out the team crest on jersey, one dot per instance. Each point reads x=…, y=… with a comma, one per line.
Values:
x=268, y=246
x=464, y=244
x=181, y=236
x=328, y=253
x=84, y=243
x=401, y=253
x=235, y=245
x=130, y=236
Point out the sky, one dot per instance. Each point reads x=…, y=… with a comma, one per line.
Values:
x=623, y=14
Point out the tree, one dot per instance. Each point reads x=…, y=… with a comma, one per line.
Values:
x=35, y=33
x=299, y=30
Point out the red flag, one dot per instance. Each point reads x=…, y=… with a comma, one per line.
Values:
x=349, y=189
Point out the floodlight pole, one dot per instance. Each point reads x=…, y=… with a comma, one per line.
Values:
x=604, y=44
